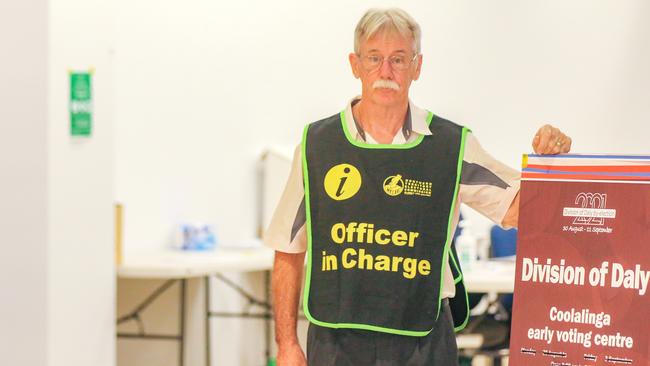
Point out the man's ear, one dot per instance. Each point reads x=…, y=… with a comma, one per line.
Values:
x=354, y=64
x=418, y=67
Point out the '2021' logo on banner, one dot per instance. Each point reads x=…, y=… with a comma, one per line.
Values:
x=592, y=209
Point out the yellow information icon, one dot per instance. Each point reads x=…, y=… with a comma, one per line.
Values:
x=342, y=182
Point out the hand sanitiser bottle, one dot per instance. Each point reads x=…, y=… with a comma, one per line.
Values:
x=466, y=246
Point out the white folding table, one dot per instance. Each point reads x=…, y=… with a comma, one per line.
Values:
x=177, y=266
x=491, y=276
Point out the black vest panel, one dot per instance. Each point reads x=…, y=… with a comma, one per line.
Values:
x=378, y=218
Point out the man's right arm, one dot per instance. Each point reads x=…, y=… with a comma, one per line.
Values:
x=287, y=280
x=286, y=235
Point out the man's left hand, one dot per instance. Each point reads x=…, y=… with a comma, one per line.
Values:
x=550, y=140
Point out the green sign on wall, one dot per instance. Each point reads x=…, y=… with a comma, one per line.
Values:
x=81, y=104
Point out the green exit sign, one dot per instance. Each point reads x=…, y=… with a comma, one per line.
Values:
x=81, y=104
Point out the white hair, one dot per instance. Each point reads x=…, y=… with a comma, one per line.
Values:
x=392, y=19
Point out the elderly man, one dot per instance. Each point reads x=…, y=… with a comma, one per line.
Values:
x=373, y=198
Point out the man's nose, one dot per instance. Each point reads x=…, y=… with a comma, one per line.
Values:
x=385, y=70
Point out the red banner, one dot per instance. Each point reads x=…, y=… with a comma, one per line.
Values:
x=582, y=291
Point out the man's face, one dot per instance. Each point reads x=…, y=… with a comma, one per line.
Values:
x=386, y=84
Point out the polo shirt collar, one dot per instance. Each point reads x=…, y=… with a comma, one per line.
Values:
x=415, y=123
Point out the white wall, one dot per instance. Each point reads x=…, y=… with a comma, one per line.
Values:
x=203, y=86
x=23, y=148
x=505, y=67
x=57, y=268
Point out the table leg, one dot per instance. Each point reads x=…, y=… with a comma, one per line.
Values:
x=181, y=353
x=252, y=301
x=208, y=360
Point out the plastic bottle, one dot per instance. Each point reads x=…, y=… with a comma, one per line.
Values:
x=466, y=246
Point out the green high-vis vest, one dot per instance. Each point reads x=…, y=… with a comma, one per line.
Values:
x=378, y=225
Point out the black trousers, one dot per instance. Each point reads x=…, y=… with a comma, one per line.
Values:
x=351, y=347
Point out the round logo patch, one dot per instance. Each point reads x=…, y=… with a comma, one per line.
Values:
x=393, y=185
x=342, y=182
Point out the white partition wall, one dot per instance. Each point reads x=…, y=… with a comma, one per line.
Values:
x=57, y=266
x=81, y=274
x=23, y=197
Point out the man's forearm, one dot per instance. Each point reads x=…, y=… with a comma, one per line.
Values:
x=511, y=219
x=287, y=280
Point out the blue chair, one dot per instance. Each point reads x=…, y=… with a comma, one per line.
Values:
x=504, y=244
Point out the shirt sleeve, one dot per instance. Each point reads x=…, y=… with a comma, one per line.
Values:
x=286, y=232
x=486, y=184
